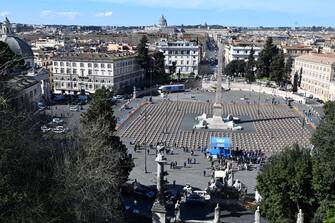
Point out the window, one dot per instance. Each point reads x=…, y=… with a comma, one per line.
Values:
x=61, y=63
x=81, y=64
x=95, y=65
x=68, y=64
x=89, y=65
x=55, y=63
x=74, y=64
x=74, y=71
x=109, y=65
x=102, y=65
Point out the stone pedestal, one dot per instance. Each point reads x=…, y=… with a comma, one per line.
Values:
x=158, y=213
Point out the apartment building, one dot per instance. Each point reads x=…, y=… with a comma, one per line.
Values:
x=240, y=51
x=87, y=72
x=296, y=50
x=318, y=74
x=185, y=54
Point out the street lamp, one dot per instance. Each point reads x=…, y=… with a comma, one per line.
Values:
x=145, y=140
x=259, y=99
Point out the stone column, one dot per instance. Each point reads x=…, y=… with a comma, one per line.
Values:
x=158, y=208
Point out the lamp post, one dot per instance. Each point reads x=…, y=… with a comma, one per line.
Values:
x=259, y=99
x=145, y=140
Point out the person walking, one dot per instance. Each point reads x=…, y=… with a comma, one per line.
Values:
x=204, y=173
x=184, y=164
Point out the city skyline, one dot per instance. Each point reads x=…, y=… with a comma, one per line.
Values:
x=147, y=12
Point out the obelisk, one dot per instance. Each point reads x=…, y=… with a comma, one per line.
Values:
x=217, y=109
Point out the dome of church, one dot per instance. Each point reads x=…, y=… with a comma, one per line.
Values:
x=162, y=22
x=18, y=46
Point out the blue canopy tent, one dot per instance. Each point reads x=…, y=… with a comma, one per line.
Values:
x=220, y=146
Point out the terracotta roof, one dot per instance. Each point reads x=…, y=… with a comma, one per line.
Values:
x=324, y=58
x=297, y=47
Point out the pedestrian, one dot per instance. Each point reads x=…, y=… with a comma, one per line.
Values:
x=194, y=161
x=204, y=173
x=184, y=164
x=174, y=183
x=148, y=151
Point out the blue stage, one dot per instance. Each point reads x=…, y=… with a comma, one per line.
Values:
x=220, y=146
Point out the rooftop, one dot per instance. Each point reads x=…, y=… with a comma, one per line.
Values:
x=298, y=47
x=87, y=57
x=19, y=83
x=324, y=58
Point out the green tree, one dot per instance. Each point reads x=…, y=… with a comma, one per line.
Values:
x=103, y=165
x=159, y=66
x=300, y=77
x=26, y=170
x=288, y=68
x=250, y=67
x=143, y=55
x=277, y=69
x=324, y=155
x=265, y=58
x=285, y=185
x=173, y=67
x=235, y=68
x=295, y=82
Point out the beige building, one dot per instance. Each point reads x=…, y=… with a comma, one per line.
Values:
x=87, y=72
x=240, y=51
x=27, y=93
x=296, y=50
x=318, y=74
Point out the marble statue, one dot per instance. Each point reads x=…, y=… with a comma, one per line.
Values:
x=300, y=218
x=257, y=215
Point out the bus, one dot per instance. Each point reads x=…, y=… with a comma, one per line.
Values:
x=171, y=88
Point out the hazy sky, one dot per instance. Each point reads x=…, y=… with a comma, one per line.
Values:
x=148, y=12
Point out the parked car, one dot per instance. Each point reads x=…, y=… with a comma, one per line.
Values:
x=45, y=129
x=74, y=108
x=194, y=199
x=237, y=128
x=203, y=194
x=60, y=130
x=144, y=192
x=319, y=100
x=57, y=121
